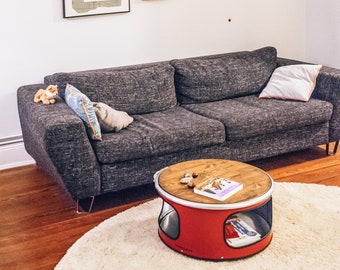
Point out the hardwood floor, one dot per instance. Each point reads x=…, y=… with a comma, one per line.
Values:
x=38, y=221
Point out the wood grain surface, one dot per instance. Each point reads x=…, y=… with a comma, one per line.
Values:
x=256, y=182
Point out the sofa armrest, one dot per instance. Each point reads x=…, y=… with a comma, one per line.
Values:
x=328, y=88
x=56, y=138
x=286, y=61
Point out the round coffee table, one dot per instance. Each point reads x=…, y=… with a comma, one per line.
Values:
x=205, y=228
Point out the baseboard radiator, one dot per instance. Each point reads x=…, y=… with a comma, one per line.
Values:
x=11, y=140
x=13, y=153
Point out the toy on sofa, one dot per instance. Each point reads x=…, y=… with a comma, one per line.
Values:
x=46, y=96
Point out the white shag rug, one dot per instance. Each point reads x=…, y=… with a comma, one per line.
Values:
x=306, y=235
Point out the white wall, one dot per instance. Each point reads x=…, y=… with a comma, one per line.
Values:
x=323, y=32
x=37, y=41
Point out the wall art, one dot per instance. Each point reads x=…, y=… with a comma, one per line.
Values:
x=78, y=8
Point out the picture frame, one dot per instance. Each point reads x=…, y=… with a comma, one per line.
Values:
x=80, y=8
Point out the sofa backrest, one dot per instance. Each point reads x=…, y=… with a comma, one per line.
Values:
x=217, y=77
x=134, y=89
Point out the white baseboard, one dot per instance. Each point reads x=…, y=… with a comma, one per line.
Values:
x=14, y=155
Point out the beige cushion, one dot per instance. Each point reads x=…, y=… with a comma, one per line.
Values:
x=295, y=82
x=111, y=119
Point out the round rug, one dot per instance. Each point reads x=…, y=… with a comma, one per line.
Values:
x=306, y=235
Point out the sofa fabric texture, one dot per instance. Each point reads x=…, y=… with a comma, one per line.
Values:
x=135, y=91
x=160, y=133
x=199, y=107
x=225, y=76
x=250, y=116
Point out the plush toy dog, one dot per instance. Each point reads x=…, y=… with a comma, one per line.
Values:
x=46, y=96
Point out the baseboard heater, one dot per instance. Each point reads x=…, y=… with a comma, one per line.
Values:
x=11, y=140
x=13, y=153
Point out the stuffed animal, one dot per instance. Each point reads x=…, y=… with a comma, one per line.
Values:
x=46, y=96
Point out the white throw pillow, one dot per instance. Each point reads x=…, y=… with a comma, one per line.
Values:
x=111, y=119
x=295, y=82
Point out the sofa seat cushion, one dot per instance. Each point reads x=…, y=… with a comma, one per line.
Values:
x=158, y=133
x=135, y=89
x=251, y=116
x=217, y=77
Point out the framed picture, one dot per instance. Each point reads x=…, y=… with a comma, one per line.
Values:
x=78, y=8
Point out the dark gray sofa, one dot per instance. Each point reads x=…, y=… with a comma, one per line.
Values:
x=202, y=107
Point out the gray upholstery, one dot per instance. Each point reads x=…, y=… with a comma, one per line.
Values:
x=250, y=116
x=328, y=88
x=56, y=138
x=149, y=88
x=159, y=133
x=272, y=144
x=202, y=107
x=217, y=77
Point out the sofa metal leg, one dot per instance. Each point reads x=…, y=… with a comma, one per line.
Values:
x=81, y=211
x=335, y=149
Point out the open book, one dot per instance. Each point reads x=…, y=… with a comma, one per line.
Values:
x=239, y=232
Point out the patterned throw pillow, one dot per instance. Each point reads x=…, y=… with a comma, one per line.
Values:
x=294, y=82
x=83, y=107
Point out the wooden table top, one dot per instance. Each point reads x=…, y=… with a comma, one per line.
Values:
x=256, y=182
